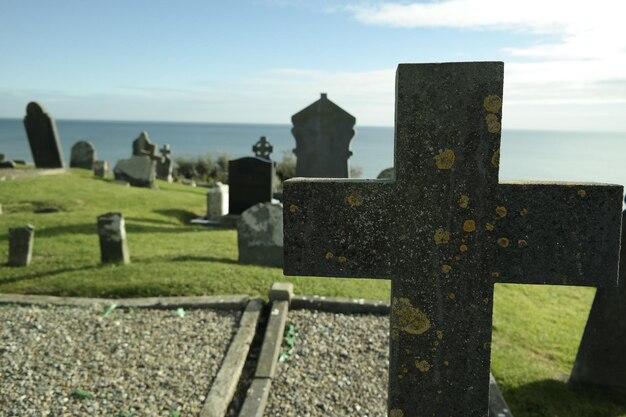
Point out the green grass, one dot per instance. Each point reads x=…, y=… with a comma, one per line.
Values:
x=536, y=328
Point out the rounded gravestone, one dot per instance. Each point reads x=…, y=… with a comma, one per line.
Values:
x=83, y=155
x=260, y=235
x=387, y=174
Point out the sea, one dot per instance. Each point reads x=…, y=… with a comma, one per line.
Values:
x=525, y=154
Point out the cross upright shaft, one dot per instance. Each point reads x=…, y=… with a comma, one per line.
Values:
x=442, y=232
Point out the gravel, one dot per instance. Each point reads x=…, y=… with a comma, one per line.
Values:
x=339, y=367
x=141, y=362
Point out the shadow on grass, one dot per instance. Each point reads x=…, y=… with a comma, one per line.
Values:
x=43, y=274
x=71, y=229
x=182, y=216
x=552, y=398
x=203, y=259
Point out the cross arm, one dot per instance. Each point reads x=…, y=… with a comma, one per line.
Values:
x=337, y=228
x=557, y=233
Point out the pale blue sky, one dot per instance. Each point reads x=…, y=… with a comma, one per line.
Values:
x=260, y=61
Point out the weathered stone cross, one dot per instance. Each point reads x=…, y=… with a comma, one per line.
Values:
x=262, y=149
x=445, y=232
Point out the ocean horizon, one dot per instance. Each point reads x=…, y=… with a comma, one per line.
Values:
x=535, y=155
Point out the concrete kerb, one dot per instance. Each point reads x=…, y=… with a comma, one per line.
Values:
x=339, y=305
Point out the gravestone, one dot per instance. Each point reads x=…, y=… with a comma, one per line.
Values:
x=251, y=181
x=387, y=174
x=217, y=201
x=165, y=165
x=83, y=155
x=263, y=149
x=139, y=171
x=112, y=233
x=260, y=235
x=445, y=231
x=100, y=168
x=601, y=356
x=143, y=147
x=43, y=137
x=323, y=132
x=21, y=245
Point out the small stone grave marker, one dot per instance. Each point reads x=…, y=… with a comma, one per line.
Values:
x=43, y=137
x=263, y=149
x=142, y=146
x=165, y=165
x=445, y=231
x=112, y=233
x=83, y=155
x=260, y=235
x=21, y=241
x=323, y=132
x=251, y=181
x=217, y=201
x=100, y=168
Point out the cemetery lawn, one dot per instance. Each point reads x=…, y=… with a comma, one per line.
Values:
x=536, y=328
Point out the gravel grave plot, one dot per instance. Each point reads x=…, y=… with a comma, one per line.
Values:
x=339, y=367
x=73, y=361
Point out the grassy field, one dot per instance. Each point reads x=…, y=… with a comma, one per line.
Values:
x=536, y=328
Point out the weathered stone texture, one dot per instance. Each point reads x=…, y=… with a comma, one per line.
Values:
x=112, y=233
x=139, y=171
x=260, y=235
x=83, y=155
x=21, y=240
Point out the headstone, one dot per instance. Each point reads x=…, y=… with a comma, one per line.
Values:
x=263, y=149
x=323, y=132
x=498, y=406
x=43, y=138
x=601, y=359
x=251, y=181
x=100, y=168
x=260, y=235
x=83, y=155
x=445, y=231
x=165, y=165
x=112, y=233
x=217, y=201
x=21, y=245
x=7, y=164
x=143, y=147
x=387, y=174
x=139, y=171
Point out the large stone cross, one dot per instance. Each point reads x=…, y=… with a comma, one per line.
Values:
x=445, y=231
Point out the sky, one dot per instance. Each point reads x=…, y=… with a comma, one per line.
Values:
x=261, y=61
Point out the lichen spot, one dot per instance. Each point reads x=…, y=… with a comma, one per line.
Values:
x=522, y=243
x=329, y=255
x=492, y=103
x=445, y=159
x=452, y=296
x=441, y=236
x=503, y=242
x=439, y=334
x=409, y=319
x=469, y=226
x=582, y=193
x=354, y=200
x=486, y=300
x=341, y=259
x=487, y=345
x=495, y=274
x=422, y=365
x=489, y=227
x=463, y=248
x=495, y=159
x=446, y=363
x=501, y=211
x=464, y=201
x=446, y=268
x=293, y=209
x=493, y=123
x=396, y=412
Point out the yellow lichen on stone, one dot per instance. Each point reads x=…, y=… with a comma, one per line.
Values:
x=446, y=363
x=396, y=412
x=293, y=209
x=493, y=123
x=501, y=211
x=446, y=268
x=464, y=201
x=441, y=236
x=495, y=274
x=408, y=319
x=422, y=365
x=439, y=334
x=329, y=255
x=522, y=243
x=445, y=159
x=523, y=212
x=341, y=259
x=492, y=103
x=489, y=227
x=354, y=200
x=485, y=300
x=503, y=242
x=582, y=193
x=463, y=248
x=495, y=159
x=452, y=296
x=469, y=226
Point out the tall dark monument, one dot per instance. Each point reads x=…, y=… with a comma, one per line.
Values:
x=43, y=137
